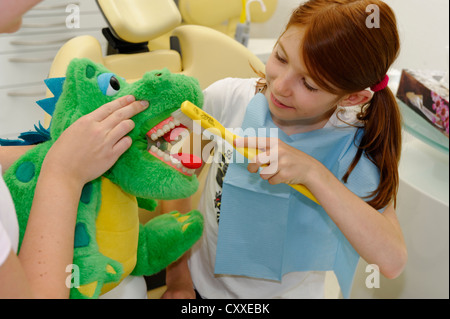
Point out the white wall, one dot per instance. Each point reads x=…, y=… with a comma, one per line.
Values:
x=423, y=27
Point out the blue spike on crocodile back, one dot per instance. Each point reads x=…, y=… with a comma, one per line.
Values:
x=55, y=86
x=40, y=134
x=45, y=132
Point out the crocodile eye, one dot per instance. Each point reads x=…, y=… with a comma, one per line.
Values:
x=108, y=84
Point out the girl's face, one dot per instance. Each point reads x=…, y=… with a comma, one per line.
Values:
x=296, y=103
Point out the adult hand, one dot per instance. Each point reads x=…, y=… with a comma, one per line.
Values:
x=91, y=145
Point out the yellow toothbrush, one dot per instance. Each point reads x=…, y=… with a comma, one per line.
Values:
x=193, y=113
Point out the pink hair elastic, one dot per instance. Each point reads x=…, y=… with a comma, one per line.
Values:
x=380, y=86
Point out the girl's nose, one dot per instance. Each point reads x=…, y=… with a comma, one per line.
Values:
x=282, y=85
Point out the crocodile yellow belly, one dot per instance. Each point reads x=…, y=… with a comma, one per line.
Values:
x=118, y=228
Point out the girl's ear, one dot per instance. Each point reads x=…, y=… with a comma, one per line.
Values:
x=357, y=98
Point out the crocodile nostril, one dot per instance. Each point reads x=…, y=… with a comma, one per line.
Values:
x=158, y=74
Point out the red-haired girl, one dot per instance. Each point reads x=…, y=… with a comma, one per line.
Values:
x=325, y=89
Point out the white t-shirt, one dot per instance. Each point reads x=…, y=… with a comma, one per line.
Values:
x=226, y=101
x=9, y=227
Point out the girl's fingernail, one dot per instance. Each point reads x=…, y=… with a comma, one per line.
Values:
x=130, y=99
x=144, y=103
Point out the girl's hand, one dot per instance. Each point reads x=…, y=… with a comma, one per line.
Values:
x=279, y=162
x=91, y=145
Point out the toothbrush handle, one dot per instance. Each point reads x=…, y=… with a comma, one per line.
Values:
x=302, y=189
x=210, y=123
x=247, y=152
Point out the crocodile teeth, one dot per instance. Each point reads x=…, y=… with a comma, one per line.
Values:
x=163, y=128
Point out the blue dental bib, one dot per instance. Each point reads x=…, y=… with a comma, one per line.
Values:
x=266, y=231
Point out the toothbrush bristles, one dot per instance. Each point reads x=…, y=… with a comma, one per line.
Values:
x=185, y=120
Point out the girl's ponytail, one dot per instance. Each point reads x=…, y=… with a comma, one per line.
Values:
x=381, y=143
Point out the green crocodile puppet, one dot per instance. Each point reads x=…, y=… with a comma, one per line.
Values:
x=110, y=243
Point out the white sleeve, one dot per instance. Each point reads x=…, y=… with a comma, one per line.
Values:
x=9, y=228
x=215, y=98
x=5, y=244
x=226, y=100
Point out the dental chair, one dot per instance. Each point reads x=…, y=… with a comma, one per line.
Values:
x=221, y=15
x=224, y=15
x=198, y=51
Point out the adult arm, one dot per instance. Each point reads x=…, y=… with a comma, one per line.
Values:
x=83, y=152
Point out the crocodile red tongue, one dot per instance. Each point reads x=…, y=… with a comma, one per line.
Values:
x=188, y=160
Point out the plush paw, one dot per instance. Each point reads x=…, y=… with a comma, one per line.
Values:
x=95, y=271
x=186, y=220
x=167, y=238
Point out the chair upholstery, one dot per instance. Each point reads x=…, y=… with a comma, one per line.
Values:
x=222, y=15
x=204, y=53
x=140, y=20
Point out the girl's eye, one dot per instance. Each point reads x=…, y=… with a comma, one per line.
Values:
x=108, y=84
x=279, y=58
x=309, y=87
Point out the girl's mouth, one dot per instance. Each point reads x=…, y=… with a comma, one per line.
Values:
x=278, y=104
